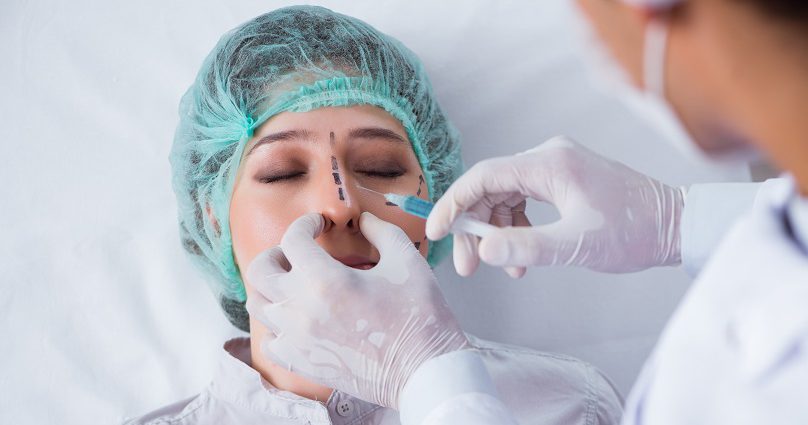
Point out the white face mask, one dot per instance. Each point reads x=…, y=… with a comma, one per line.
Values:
x=651, y=103
x=660, y=112
x=655, y=108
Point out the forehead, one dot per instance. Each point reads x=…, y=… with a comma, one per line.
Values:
x=339, y=119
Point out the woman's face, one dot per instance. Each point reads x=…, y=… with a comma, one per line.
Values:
x=318, y=161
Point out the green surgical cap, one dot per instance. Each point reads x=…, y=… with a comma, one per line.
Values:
x=292, y=59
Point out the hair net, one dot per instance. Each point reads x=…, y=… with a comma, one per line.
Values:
x=292, y=59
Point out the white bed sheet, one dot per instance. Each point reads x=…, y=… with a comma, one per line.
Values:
x=103, y=316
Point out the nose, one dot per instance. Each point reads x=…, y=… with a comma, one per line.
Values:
x=337, y=201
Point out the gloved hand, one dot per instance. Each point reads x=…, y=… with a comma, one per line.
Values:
x=363, y=332
x=613, y=219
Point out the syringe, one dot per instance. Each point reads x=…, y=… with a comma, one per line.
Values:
x=464, y=223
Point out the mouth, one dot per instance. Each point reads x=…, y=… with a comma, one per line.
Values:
x=357, y=262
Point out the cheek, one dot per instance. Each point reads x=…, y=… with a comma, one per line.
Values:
x=257, y=222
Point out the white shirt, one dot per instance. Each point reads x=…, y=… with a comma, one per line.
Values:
x=537, y=387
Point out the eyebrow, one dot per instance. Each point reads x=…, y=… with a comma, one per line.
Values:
x=375, y=133
x=281, y=136
x=357, y=133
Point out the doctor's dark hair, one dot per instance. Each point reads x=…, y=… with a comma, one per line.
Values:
x=792, y=11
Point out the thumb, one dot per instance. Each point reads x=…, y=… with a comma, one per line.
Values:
x=388, y=238
x=300, y=248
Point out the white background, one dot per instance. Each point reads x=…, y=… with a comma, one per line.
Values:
x=102, y=316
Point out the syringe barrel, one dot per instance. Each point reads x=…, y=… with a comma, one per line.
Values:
x=416, y=206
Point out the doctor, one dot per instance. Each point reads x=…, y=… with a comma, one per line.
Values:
x=731, y=74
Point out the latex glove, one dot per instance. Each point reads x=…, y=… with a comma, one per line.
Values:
x=363, y=332
x=613, y=219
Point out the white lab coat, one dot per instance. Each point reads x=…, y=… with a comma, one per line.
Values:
x=735, y=351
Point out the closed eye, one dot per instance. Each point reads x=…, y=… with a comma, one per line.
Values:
x=281, y=177
x=383, y=174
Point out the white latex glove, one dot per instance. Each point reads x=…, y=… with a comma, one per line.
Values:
x=363, y=332
x=613, y=219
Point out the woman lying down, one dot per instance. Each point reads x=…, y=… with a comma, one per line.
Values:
x=304, y=110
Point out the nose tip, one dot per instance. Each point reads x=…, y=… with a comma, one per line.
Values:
x=339, y=205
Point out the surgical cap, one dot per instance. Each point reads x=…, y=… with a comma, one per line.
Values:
x=292, y=59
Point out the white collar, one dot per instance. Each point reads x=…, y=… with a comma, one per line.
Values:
x=781, y=197
x=797, y=213
x=237, y=383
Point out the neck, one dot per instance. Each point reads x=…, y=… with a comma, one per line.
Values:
x=277, y=376
x=784, y=138
x=780, y=122
x=801, y=178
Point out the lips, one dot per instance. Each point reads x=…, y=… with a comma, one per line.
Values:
x=357, y=262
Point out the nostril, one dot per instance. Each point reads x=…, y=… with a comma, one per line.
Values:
x=327, y=225
x=350, y=224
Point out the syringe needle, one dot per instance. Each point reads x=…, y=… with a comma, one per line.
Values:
x=370, y=190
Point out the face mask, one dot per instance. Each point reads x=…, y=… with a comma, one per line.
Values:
x=655, y=109
x=659, y=112
x=650, y=104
